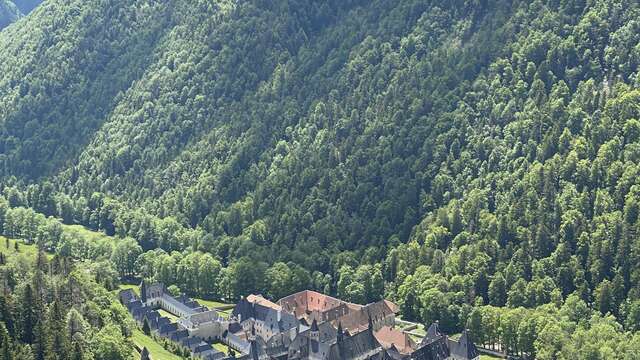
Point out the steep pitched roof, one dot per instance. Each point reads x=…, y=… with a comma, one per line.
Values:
x=436, y=349
x=258, y=299
x=202, y=347
x=394, y=354
x=168, y=328
x=392, y=306
x=236, y=342
x=303, y=347
x=358, y=318
x=307, y=301
x=179, y=335
x=433, y=333
x=277, y=321
x=390, y=337
x=361, y=345
x=162, y=321
x=133, y=305
x=257, y=351
x=126, y=296
x=203, y=317
x=463, y=348
x=191, y=342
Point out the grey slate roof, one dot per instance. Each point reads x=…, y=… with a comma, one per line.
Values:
x=134, y=304
x=216, y=355
x=191, y=342
x=202, y=347
x=179, y=335
x=235, y=342
x=463, y=348
x=436, y=349
x=168, y=329
x=126, y=296
x=359, y=346
x=277, y=321
x=394, y=354
x=433, y=333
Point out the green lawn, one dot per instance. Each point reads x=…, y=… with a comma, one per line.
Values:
x=156, y=350
x=84, y=232
x=28, y=250
x=221, y=347
x=128, y=286
x=224, y=313
x=214, y=304
x=169, y=315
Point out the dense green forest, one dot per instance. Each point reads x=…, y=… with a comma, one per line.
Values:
x=52, y=308
x=475, y=161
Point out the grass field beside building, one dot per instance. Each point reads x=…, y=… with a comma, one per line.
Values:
x=156, y=350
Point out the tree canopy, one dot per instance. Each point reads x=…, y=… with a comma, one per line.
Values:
x=454, y=156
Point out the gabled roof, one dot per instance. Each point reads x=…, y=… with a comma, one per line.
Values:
x=203, y=317
x=236, y=342
x=307, y=301
x=392, y=306
x=191, y=342
x=162, y=321
x=126, y=296
x=168, y=328
x=394, y=354
x=178, y=304
x=303, y=347
x=216, y=355
x=140, y=312
x=134, y=304
x=362, y=345
x=257, y=351
x=390, y=337
x=179, y=335
x=202, y=347
x=277, y=321
x=433, y=333
x=463, y=348
x=436, y=349
x=258, y=299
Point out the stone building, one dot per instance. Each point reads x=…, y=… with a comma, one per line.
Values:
x=303, y=326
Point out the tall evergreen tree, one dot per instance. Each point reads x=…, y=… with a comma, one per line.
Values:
x=28, y=317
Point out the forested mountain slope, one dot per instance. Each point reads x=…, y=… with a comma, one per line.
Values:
x=487, y=151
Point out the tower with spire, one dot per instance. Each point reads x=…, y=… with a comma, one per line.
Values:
x=314, y=332
x=340, y=333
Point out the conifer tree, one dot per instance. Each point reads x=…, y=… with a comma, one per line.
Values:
x=146, y=328
x=39, y=347
x=57, y=342
x=78, y=352
x=27, y=315
x=144, y=355
x=6, y=314
x=6, y=346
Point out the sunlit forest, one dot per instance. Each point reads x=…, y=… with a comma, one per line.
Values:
x=475, y=161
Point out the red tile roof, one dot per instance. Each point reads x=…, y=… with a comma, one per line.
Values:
x=388, y=336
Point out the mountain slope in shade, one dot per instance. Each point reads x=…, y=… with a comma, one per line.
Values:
x=476, y=152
